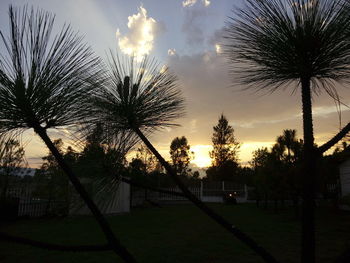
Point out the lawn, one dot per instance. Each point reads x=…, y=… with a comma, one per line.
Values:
x=183, y=234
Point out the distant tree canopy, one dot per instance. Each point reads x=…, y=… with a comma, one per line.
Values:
x=147, y=158
x=51, y=183
x=180, y=155
x=225, y=152
x=11, y=159
x=276, y=171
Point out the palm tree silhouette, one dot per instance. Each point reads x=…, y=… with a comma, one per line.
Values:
x=44, y=84
x=273, y=44
x=140, y=98
x=289, y=141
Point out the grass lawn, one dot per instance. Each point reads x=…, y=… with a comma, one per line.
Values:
x=183, y=234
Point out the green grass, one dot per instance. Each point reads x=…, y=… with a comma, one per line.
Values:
x=181, y=234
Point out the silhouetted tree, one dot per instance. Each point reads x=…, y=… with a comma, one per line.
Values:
x=225, y=145
x=275, y=43
x=45, y=83
x=290, y=144
x=180, y=155
x=142, y=98
x=147, y=158
x=225, y=152
x=11, y=160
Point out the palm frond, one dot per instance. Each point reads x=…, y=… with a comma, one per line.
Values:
x=44, y=80
x=275, y=42
x=138, y=94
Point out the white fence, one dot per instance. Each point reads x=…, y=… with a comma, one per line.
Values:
x=212, y=192
x=32, y=207
x=22, y=195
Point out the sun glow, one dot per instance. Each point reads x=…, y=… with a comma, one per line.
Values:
x=201, y=155
x=202, y=158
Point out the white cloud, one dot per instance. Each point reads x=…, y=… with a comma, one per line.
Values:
x=140, y=38
x=171, y=52
x=206, y=3
x=218, y=48
x=189, y=3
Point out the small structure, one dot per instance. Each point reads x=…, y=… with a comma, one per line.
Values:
x=116, y=203
x=344, y=176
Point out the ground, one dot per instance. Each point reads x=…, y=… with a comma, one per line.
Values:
x=181, y=233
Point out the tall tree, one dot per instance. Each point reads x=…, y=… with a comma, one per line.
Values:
x=142, y=98
x=225, y=145
x=45, y=83
x=180, y=155
x=272, y=44
x=225, y=152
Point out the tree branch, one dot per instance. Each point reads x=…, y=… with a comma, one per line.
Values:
x=335, y=139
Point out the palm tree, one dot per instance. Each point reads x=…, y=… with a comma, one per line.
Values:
x=275, y=43
x=288, y=141
x=141, y=98
x=44, y=84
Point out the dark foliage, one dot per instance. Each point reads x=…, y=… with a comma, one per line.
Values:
x=272, y=43
x=138, y=95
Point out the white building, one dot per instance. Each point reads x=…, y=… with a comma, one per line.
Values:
x=344, y=175
x=114, y=203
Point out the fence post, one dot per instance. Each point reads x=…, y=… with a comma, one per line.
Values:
x=245, y=192
x=201, y=191
x=223, y=186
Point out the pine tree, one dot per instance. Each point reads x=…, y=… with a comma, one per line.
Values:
x=225, y=145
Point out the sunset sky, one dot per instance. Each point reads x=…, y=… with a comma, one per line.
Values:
x=186, y=36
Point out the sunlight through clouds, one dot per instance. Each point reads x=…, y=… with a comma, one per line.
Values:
x=189, y=3
x=140, y=38
x=218, y=48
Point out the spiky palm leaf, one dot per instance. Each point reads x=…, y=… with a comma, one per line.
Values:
x=43, y=80
x=138, y=95
x=45, y=83
x=272, y=43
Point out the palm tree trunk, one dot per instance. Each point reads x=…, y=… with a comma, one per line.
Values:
x=217, y=218
x=308, y=188
x=112, y=240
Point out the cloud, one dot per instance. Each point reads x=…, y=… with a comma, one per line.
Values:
x=218, y=48
x=206, y=3
x=192, y=27
x=189, y=3
x=143, y=30
x=258, y=118
x=171, y=52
